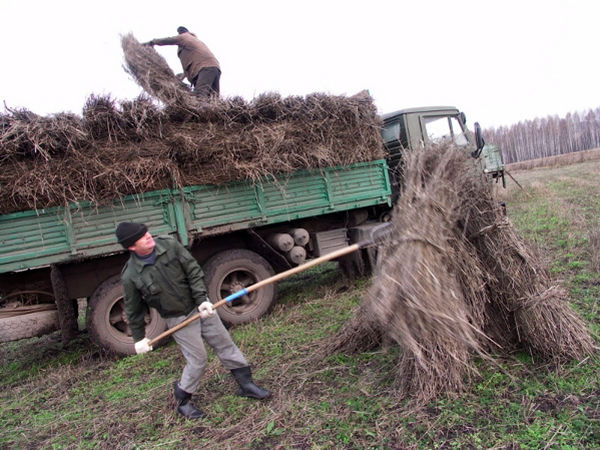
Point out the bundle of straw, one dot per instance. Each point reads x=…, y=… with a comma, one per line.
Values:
x=456, y=282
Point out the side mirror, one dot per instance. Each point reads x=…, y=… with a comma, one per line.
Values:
x=479, y=142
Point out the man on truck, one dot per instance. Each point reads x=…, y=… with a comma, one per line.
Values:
x=162, y=274
x=200, y=66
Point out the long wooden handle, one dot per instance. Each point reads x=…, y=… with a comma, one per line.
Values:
x=266, y=281
x=290, y=272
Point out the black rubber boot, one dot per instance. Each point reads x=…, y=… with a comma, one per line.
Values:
x=247, y=387
x=184, y=406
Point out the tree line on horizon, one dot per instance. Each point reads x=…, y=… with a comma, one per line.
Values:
x=549, y=136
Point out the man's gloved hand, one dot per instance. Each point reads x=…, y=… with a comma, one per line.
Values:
x=149, y=43
x=142, y=346
x=206, y=309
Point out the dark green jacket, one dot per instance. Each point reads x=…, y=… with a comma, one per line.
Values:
x=173, y=285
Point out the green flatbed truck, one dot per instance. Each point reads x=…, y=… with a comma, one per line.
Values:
x=240, y=232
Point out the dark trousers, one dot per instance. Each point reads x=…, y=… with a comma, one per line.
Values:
x=206, y=83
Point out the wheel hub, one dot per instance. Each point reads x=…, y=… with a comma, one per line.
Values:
x=235, y=287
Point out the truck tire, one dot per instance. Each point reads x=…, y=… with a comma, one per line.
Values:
x=28, y=325
x=230, y=271
x=107, y=323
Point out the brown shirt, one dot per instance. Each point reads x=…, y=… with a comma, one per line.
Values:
x=193, y=53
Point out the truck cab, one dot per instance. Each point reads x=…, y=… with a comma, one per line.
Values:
x=415, y=127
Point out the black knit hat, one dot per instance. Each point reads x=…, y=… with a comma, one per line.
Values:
x=129, y=232
x=182, y=30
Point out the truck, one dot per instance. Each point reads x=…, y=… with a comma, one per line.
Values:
x=58, y=261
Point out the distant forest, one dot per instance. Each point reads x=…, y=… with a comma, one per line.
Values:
x=539, y=138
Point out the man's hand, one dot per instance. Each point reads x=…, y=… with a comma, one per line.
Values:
x=149, y=43
x=142, y=346
x=206, y=309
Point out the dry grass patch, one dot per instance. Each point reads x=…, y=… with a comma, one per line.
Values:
x=556, y=160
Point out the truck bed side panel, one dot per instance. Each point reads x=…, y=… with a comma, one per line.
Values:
x=37, y=238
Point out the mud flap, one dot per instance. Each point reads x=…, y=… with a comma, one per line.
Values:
x=67, y=312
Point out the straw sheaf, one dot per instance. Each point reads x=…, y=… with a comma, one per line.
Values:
x=456, y=282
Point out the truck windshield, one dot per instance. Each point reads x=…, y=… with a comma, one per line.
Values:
x=441, y=128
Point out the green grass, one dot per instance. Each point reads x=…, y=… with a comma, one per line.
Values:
x=81, y=397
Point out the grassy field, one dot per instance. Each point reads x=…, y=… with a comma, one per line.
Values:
x=81, y=397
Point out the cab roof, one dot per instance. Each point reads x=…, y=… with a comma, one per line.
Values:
x=389, y=116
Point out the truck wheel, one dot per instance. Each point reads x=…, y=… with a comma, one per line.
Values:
x=107, y=322
x=28, y=325
x=232, y=270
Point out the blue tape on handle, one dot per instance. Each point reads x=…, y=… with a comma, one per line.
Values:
x=235, y=295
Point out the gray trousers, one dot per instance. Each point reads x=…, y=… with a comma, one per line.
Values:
x=189, y=339
x=206, y=83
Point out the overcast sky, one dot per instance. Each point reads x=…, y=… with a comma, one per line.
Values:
x=498, y=61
